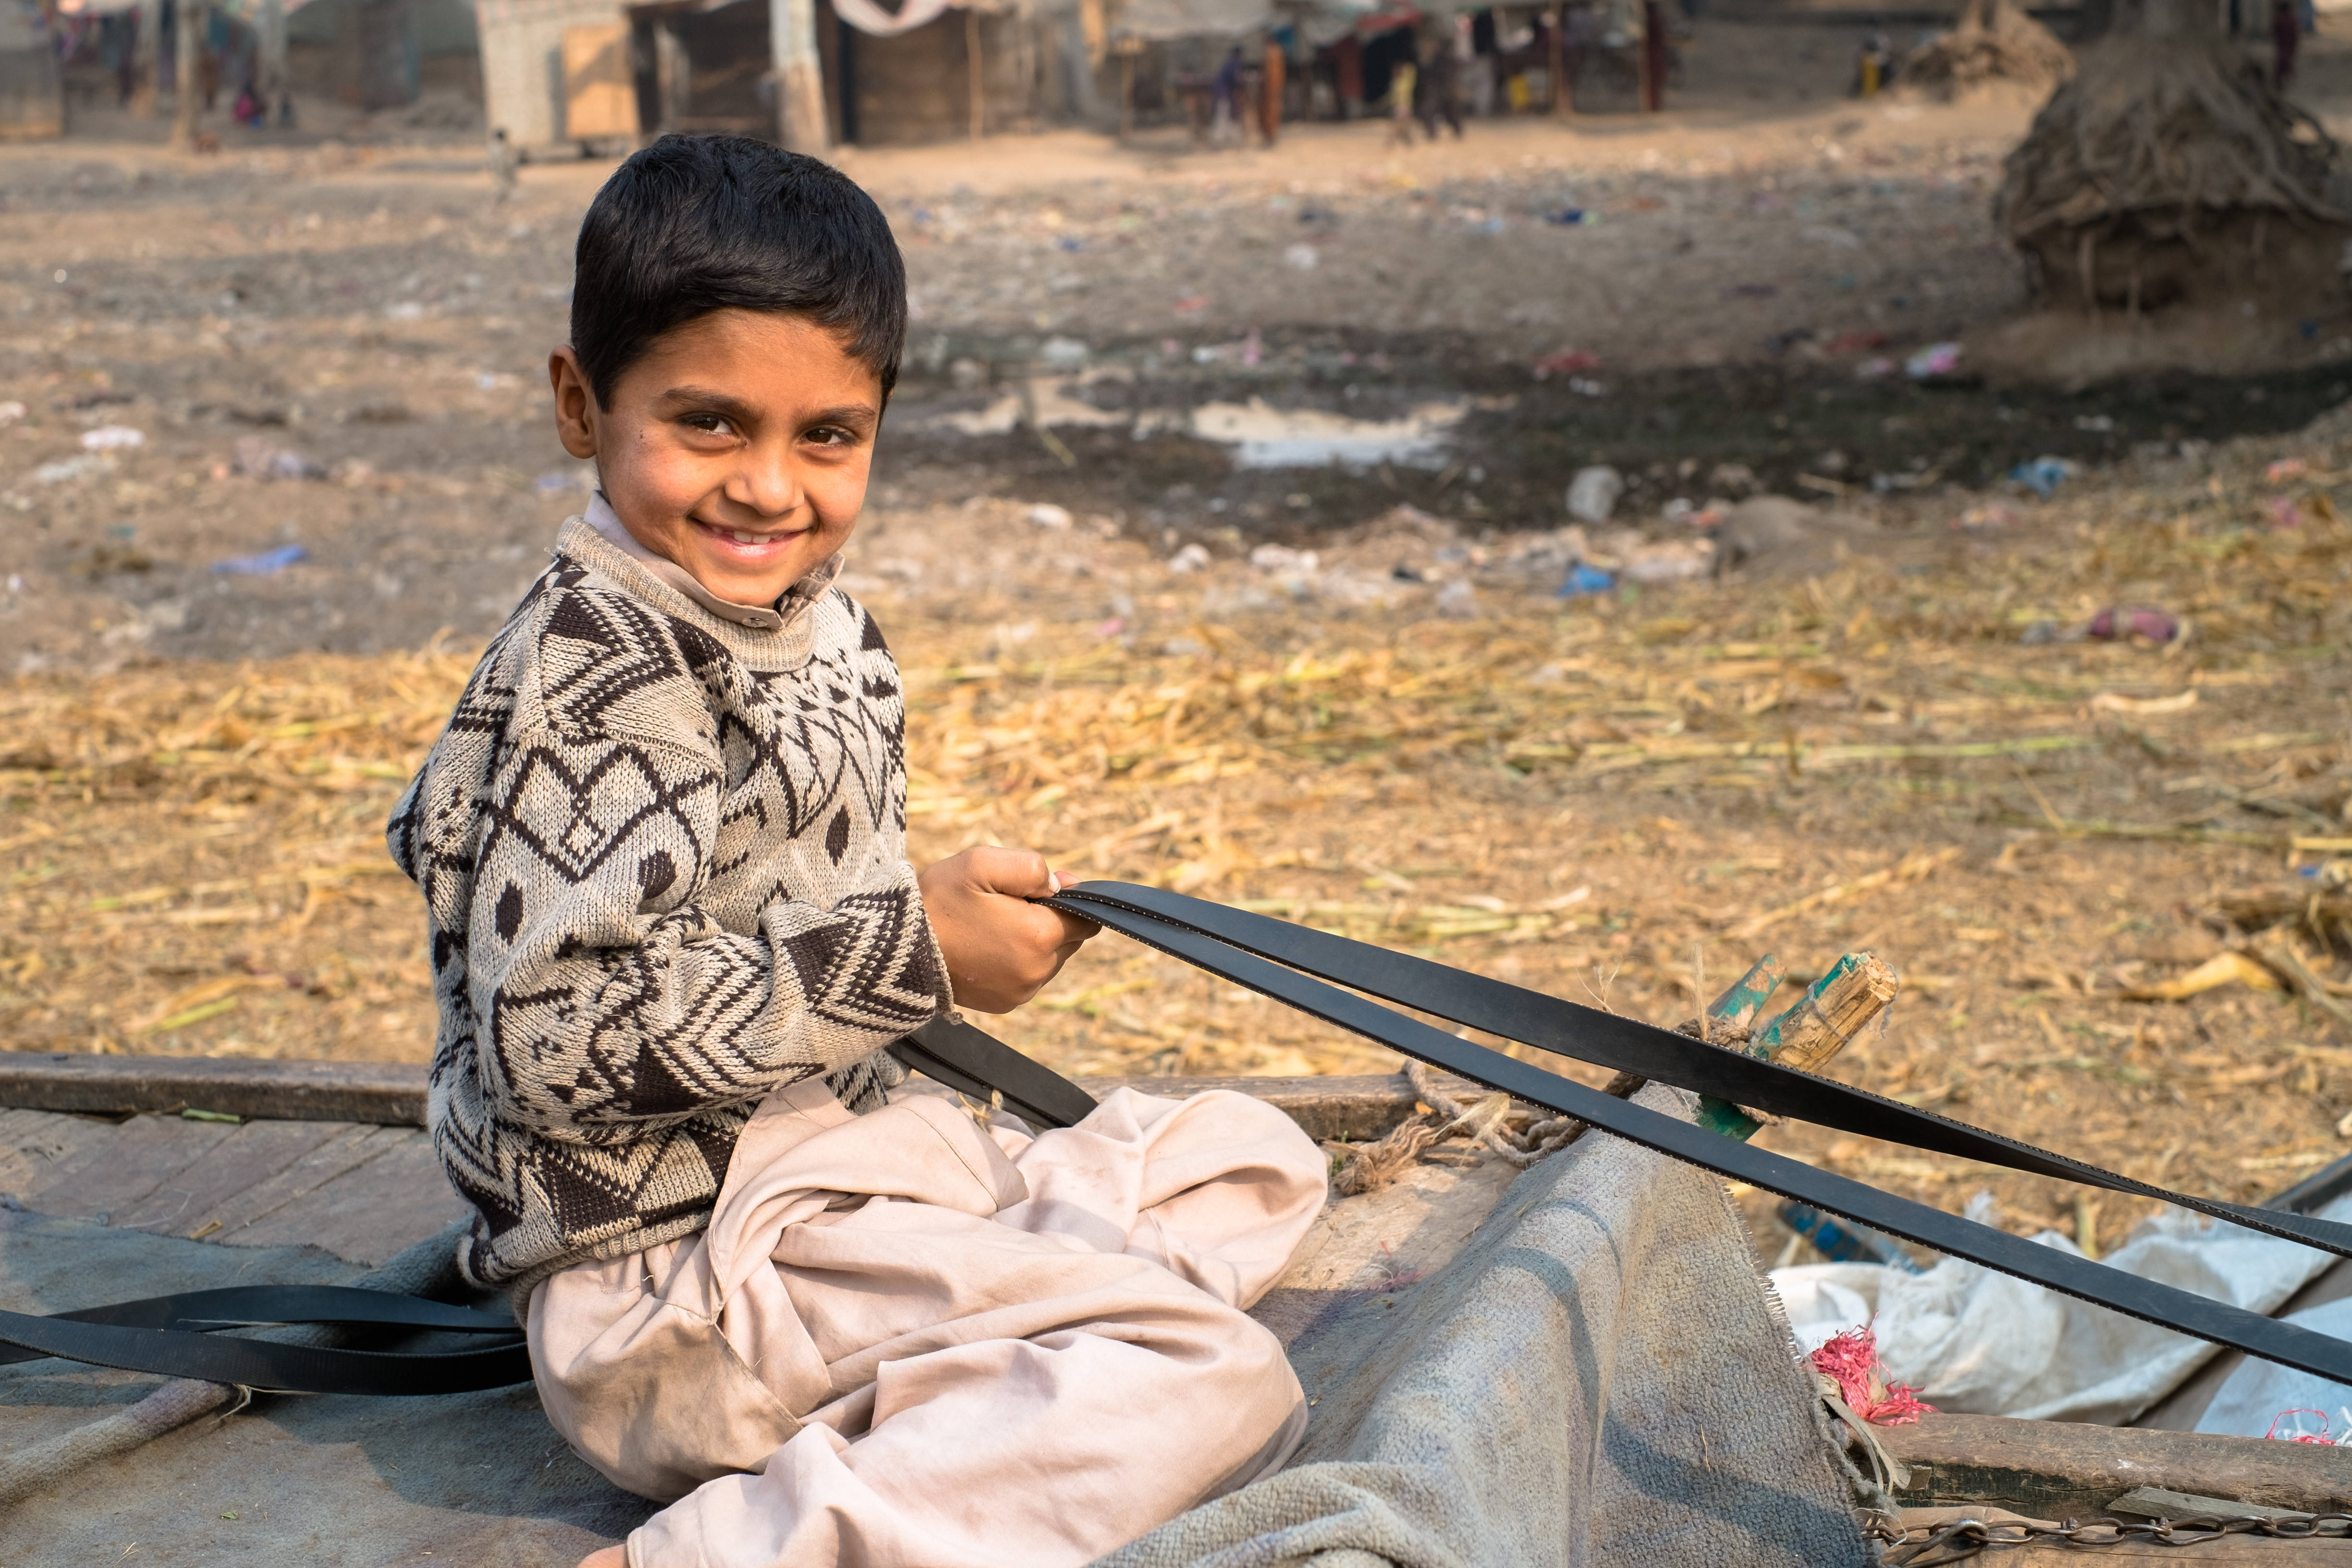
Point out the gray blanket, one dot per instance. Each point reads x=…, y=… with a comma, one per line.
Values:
x=1599, y=1378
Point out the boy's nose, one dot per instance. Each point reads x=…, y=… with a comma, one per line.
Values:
x=767, y=484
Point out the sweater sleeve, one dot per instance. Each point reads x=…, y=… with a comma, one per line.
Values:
x=606, y=999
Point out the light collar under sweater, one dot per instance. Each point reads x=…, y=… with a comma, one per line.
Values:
x=792, y=603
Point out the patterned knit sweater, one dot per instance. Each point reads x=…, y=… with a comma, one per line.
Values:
x=663, y=855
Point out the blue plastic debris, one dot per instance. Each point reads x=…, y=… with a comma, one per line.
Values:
x=1566, y=217
x=1841, y=1241
x=264, y=564
x=1583, y=582
x=2044, y=475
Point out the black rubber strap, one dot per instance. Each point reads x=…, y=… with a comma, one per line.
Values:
x=2163, y=1305
x=1627, y=1045
x=975, y=1062
x=133, y=1336
x=257, y=1305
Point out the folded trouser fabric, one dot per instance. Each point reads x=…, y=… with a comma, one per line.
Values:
x=906, y=1338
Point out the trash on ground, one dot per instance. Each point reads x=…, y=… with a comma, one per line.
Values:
x=11, y=412
x=1567, y=362
x=1046, y=515
x=2252, y=1398
x=1986, y=519
x=1669, y=560
x=1935, y=358
x=2044, y=474
x=1877, y=367
x=1585, y=581
x=2285, y=470
x=256, y=458
x=1265, y=436
x=1854, y=343
x=1976, y=1341
x=1592, y=493
x=1458, y=600
x=1282, y=558
x=2283, y=513
x=2113, y=624
x=1303, y=257
x=111, y=438
x=1851, y=1360
x=266, y=564
x=1842, y=1241
x=66, y=469
x=1191, y=558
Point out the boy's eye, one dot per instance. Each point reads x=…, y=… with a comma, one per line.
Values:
x=831, y=435
x=716, y=423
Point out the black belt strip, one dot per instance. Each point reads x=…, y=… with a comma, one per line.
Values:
x=1197, y=932
x=162, y=1334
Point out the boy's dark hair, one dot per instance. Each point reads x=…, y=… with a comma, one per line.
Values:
x=696, y=224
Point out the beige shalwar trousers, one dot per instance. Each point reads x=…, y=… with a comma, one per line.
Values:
x=909, y=1341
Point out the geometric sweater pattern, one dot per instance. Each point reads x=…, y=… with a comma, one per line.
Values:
x=664, y=862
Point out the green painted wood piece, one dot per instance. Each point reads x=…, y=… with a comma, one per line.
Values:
x=1722, y=1116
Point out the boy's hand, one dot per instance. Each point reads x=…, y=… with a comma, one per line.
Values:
x=1001, y=949
x=607, y=1557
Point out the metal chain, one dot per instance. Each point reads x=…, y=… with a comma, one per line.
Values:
x=1925, y=1545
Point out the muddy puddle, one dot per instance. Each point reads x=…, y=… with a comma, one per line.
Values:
x=1308, y=436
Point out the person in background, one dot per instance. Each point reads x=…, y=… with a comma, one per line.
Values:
x=1224, y=94
x=2286, y=34
x=1403, y=81
x=1433, y=88
x=503, y=161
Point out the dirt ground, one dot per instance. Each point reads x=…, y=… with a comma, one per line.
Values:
x=1888, y=733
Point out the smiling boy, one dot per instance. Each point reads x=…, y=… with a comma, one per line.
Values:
x=673, y=926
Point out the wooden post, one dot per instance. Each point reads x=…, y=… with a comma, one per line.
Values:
x=978, y=89
x=188, y=47
x=800, y=76
x=146, y=60
x=1559, y=67
x=271, y=50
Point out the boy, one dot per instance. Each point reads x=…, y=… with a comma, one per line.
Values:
x=672, y=926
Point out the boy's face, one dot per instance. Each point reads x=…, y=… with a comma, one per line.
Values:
x=737, y=447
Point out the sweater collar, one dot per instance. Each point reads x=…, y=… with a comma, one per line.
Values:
x=790, y=607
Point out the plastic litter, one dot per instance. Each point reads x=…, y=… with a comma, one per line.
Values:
x=1568, y=217
x=10, y=413
x=1592, y=493
x=1876, y=368
x=1063, y=354
x=1852, y=1360
x=1972, y=1340
x=1046, y=515
x=2113, y=624
x=2044, y=475
x=2257, y=1395
x=2284, y=512
x=2299, y=1433
x=1303, y=257
x=256, y=459
x=66, y=469
x=112, y=437
x=268, y=564
x=1191, y=558
x=1567, y=362
x=1935, y=358
x=1458, y=600
x=2285, y=470
x=1841, y=1241
x=1282, y=558
x=1584, y=582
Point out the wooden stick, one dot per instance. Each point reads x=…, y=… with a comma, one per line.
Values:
x=1858, y=987
x=972, y=54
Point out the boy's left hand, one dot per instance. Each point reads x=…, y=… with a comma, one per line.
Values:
x=1000, y=948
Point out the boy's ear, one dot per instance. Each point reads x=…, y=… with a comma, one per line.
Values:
x=576, y=403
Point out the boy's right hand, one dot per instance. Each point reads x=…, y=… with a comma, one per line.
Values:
x=1000, y=948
